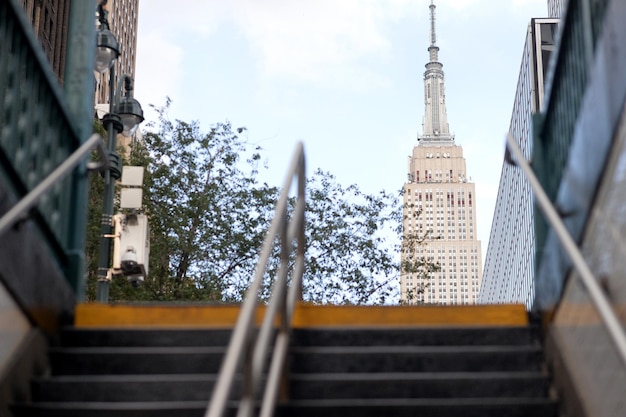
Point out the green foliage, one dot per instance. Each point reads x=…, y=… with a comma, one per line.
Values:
x=351, y=257
x=209, y=215
x=420, y=268
x=94, y=214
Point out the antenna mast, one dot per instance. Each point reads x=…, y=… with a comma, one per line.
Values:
x=433, y=35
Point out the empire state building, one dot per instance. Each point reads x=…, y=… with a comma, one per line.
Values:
x=439, y=206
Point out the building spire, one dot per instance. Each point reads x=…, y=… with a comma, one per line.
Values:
x=433, y=34
x=435, y=130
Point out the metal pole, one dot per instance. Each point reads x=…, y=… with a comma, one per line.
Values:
x=79, y=92
x=113, y=126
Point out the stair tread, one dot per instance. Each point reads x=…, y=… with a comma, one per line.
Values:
x=128, y=378
x=112, y=337
x=177, y=350
x=382, y=376
x=456, y=407
x=350, y=376
x=333, y=402
x=118, y=405
x=338, y=372
x=414, y=349
x=372, y=402
x=422, y=336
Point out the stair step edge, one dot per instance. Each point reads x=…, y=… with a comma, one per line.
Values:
x=371, y=376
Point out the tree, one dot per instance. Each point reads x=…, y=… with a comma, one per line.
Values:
x=209, y=214
x=351, y=254
x=94, y=214
x=418, y=267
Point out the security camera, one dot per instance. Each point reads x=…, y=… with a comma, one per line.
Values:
x=135, y=280
x=129, y=261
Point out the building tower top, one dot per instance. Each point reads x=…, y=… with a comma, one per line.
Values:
x=433, y=49
x=435, y=129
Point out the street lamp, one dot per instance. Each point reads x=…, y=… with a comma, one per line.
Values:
x=128, y=108
x=107, y=48
x=125, y=115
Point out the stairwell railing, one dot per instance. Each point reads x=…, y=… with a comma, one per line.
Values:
x=247, y=349
x=17, y=212
x=599, y=299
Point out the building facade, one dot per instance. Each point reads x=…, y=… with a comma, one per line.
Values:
x=123, y=18
x=556, y=7
x=439, y=205
x=50, y=20
x=510, y=261
x=579, y=155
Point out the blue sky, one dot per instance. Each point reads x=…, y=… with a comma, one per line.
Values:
x=343, y=76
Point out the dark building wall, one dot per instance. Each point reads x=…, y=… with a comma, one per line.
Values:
x=50, y=19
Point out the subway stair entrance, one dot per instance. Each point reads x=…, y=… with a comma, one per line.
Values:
x=344, y=361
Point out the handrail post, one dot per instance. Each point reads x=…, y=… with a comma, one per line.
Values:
x=281, y=303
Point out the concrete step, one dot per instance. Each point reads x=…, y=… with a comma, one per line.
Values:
x=418, y=385
x=136, y=360
x=305, y=316
x=464, y=407
x=136, y=337
x=420, y=336
x=112, y=409
x=414, y=359
x=126, y=388
x=130, y=361
x=197, y=387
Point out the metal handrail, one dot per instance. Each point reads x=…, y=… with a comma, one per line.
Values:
x=598, y=298
x=30, y=199
x=243, y=349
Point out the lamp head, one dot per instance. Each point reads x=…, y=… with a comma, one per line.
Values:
x=107, y=50
x=131, y=113
x=129, y=109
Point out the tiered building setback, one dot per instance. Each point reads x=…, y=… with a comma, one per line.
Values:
x=440, y=204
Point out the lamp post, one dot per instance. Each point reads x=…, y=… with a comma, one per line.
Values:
x=124, y=116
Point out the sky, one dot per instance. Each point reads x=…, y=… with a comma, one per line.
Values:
x=345, y=77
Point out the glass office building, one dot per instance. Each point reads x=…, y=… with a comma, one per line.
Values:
x=510, y=260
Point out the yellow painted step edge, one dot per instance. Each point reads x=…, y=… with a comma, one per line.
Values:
x=123, y=315
x=305, y=315
x=407, y=316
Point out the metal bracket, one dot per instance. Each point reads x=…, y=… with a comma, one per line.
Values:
x=104, y=162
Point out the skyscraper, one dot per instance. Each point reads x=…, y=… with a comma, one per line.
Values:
x=123, y=16
x=50, y=20
x=510, y=259
x=439, y=204
x=555, y=8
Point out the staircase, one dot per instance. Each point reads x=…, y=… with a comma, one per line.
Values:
x=463, y=372
x=373, y=365
x=128, y=372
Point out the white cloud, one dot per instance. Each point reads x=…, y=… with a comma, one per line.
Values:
x=159, y=72
x=459, y=5
x=322, y=42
